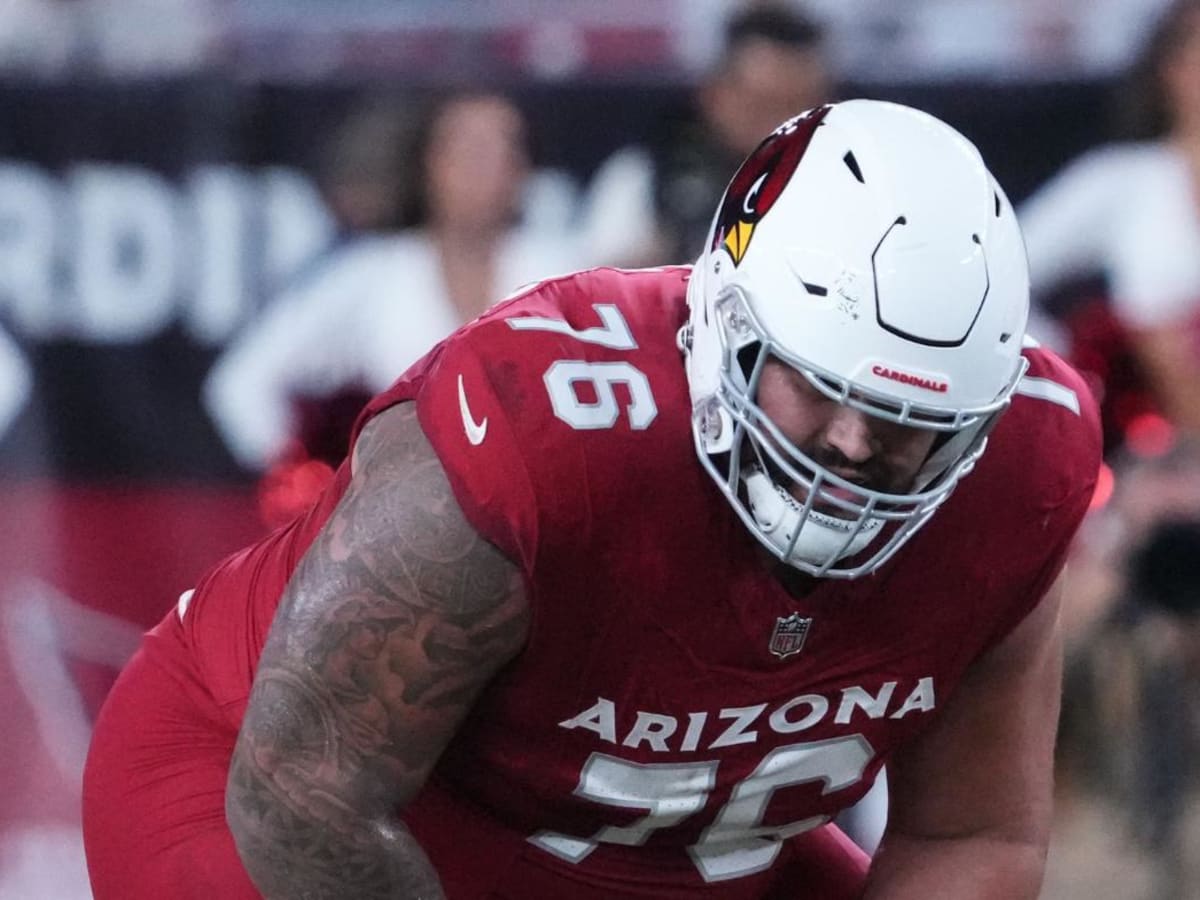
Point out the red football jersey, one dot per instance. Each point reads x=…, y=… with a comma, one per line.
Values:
x=677, y=717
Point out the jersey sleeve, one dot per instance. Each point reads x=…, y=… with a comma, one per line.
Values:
x=483, y=406
x=465, y=419
x=1060, y=422
x=1058, y=548
x=537, y=408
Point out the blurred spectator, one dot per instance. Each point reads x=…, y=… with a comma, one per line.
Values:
x=385, y=297
x=1131, y=713
x=772, y=66
x=1129, y=212
x=364, y=172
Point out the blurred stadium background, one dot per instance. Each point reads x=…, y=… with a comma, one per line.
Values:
x=162, y=179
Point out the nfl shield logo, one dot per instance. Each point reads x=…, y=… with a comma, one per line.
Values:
x=789, y=634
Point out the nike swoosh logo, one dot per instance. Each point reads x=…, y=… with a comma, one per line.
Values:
x=476, y=431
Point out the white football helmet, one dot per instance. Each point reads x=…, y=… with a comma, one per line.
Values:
x=866, y=245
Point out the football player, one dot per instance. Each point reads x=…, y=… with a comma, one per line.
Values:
x=635, y=582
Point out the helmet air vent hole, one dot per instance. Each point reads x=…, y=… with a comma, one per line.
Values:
x=976, y=239
x=852, y=165
x=815, y=289
x=996, y=197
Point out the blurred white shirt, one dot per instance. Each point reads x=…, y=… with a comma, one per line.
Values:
x=1129, y=212
x=371, y=309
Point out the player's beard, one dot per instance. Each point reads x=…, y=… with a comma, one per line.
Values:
x=871, y=479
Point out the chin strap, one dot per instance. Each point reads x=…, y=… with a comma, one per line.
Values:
x=778, y=517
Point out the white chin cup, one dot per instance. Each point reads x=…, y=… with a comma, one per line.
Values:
x=821, y=536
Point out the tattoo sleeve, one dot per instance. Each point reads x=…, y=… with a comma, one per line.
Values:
x=395, y=619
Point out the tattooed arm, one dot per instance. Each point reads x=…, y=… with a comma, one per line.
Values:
x=393, y=622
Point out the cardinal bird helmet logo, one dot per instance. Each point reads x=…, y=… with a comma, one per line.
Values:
x=760, y=181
